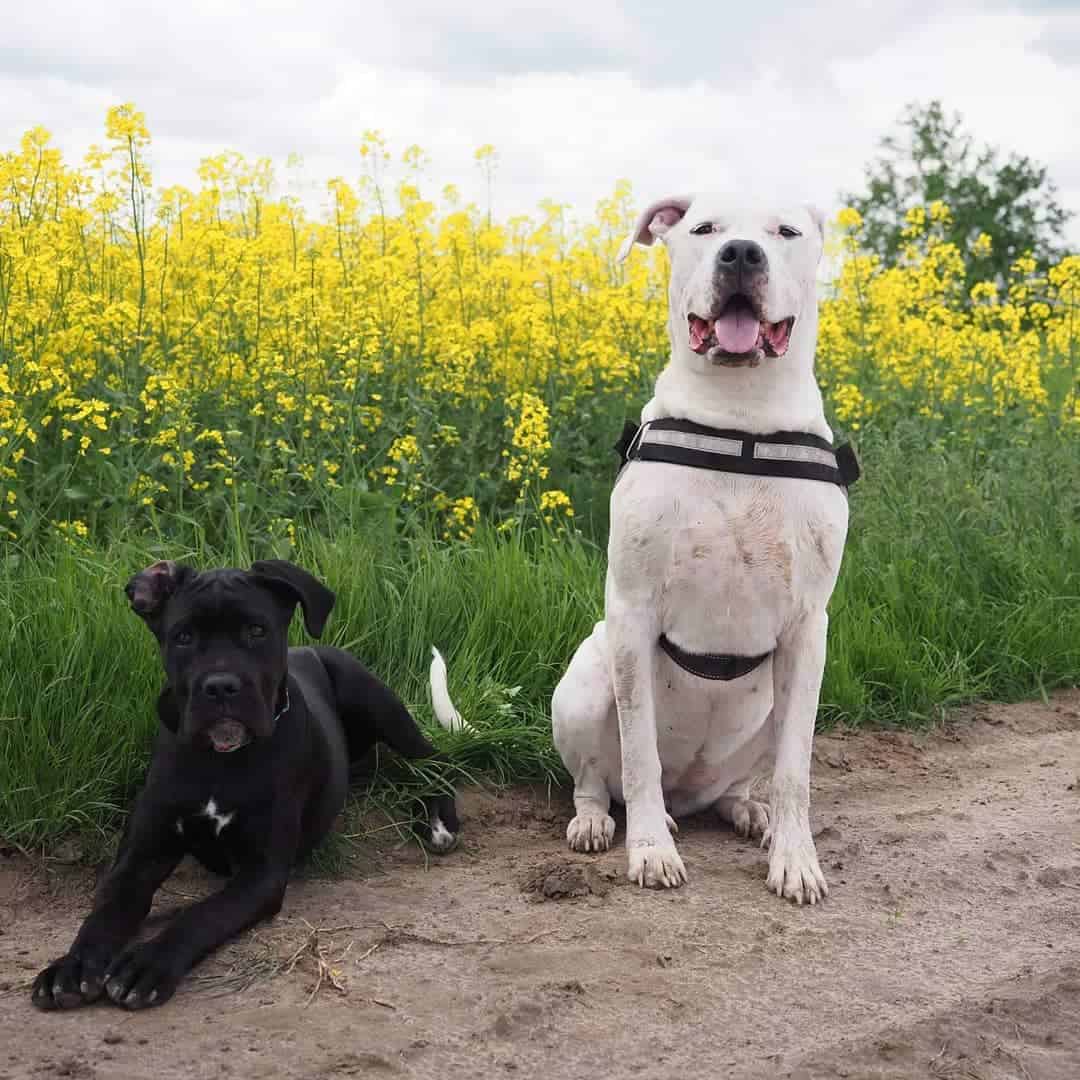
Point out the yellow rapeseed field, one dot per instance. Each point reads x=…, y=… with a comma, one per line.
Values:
x=223, y=351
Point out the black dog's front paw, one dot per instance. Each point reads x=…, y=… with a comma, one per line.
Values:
x=144, y=975
x=75, y=979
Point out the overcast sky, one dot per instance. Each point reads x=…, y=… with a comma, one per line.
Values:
x=785, y=98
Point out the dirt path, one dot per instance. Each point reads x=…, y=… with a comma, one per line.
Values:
x=949, y=946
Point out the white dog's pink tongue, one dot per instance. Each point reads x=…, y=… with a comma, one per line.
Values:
x=736, y=331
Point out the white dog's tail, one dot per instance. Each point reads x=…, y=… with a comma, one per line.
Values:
x=445, y=712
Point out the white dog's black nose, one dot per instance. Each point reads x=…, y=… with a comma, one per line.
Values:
x=742, y=257
x=221, y=686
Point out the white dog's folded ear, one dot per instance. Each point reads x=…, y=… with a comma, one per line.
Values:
x=654, y=221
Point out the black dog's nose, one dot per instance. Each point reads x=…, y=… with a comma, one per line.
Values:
x=222, y=686
x=743, y=256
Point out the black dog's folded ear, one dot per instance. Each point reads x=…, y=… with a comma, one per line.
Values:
x=149, y=590
x=301, y=587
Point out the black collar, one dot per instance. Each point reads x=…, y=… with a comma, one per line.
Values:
x=783, y=453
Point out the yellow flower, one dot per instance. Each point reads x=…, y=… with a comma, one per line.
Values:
x=556, y=500
x=72, y=529
x=849, y=219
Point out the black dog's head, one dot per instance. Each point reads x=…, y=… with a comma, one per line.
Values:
x=224, y=643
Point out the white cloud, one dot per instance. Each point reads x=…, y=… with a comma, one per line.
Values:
x=789, y=99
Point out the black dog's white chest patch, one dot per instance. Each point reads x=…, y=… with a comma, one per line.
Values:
x=211, y=814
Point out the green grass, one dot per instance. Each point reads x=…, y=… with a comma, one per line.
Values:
x=961, y=579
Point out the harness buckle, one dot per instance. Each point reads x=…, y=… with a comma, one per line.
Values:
x=635, y=442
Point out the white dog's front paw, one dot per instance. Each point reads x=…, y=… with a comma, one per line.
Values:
x=794, y=872
x=655, y=865
x=590, y=832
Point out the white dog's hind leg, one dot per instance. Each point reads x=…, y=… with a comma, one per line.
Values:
x=749, y=818
x=592, y=827
x=798, y=666
x=586, y=735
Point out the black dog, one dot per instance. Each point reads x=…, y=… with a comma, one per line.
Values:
x=249, y=771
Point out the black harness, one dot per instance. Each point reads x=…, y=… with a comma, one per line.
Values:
x=793, y=454
x=783, y=453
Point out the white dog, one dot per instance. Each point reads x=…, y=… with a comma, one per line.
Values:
x=708, y=663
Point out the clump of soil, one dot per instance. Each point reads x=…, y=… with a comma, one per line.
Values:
x=562, y=879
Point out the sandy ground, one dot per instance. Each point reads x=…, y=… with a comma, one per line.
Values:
x=949, y=946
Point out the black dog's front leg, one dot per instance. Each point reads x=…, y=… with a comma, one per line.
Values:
x=148, y=973
x=148, y=853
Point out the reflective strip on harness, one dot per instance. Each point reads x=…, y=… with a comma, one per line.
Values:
x=690, y=441
x=712, y=665
x=794, y=454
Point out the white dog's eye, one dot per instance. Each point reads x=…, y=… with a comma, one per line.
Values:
x=702, y=229
x=788, y=231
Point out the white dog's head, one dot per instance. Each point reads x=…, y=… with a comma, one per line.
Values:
x=743, y=282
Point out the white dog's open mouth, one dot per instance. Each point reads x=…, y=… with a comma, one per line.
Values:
x=738, y=333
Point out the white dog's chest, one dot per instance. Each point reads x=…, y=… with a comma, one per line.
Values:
x=733, y=559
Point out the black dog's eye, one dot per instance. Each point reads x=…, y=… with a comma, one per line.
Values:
x=256, y=630
x=183, y=637
x=702, y=229
x=788, y=231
